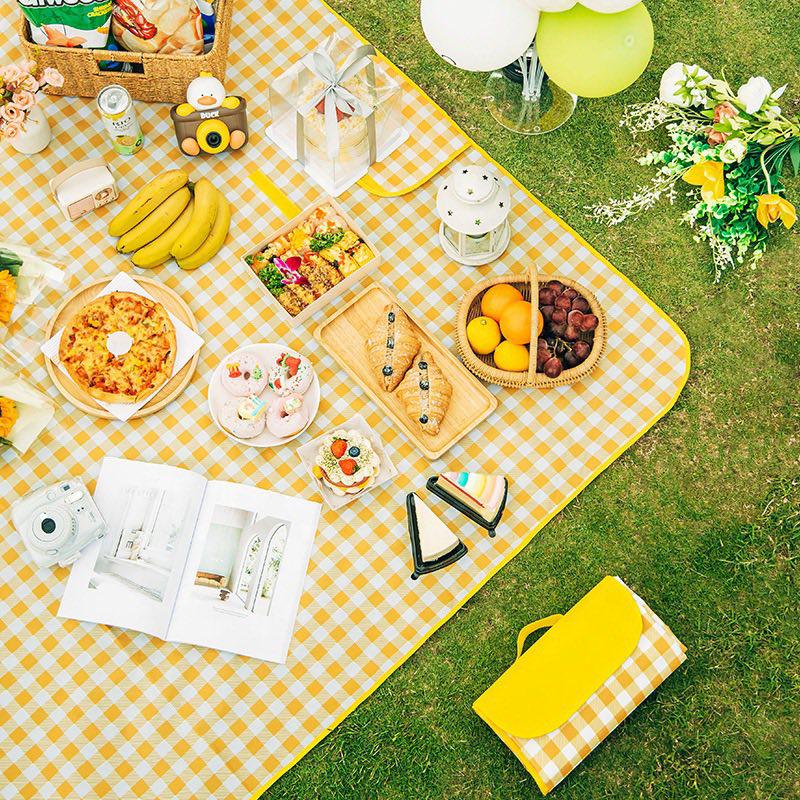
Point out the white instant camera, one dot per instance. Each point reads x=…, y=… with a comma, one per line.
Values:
x=57, y=522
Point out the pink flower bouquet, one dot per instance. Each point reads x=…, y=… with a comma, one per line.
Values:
x=19, y=87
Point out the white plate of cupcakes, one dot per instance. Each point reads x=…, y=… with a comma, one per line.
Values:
x=264, y=395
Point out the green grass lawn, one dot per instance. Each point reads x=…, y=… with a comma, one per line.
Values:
x=701, y=516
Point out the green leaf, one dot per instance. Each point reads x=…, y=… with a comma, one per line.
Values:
x=271, y=277
x=322, y=241
x=794, y=156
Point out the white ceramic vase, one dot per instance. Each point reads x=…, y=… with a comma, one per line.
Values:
x=36, y=135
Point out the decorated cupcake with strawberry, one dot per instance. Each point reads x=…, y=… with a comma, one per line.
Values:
x=346, y=463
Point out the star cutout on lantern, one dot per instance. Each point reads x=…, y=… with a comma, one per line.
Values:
x=477, y=222
x=464, y=171
x=470, y=191
x=486, y=177
x=449, y=213
x=502, y=205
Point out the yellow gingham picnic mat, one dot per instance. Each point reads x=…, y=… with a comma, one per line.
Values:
x=551, y=757
x=88, y=711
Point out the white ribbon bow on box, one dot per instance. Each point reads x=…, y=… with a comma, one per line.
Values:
x=322, y=65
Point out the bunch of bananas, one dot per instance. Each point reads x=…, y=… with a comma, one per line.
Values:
x=171, y=218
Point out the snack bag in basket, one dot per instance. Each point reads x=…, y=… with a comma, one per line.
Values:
x=158, y=26
x=66, y=23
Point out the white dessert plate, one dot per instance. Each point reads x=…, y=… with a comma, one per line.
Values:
x=267, y=354
x=308, y=454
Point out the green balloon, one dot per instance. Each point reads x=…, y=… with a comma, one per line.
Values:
x=592, y=54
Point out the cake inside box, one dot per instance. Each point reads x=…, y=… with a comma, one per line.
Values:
x=483, y=494
x=433, y=544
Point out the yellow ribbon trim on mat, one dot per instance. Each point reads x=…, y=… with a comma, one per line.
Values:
x=369, y=184
x=287, y=207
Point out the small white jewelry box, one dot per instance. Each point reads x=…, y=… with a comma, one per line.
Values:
x=84, y=187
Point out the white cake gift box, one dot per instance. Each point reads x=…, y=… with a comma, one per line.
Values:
x=337, y=111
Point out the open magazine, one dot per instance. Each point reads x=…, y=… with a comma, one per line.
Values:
x=194, y=561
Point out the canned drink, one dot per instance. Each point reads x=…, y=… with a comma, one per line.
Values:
x=119, y=118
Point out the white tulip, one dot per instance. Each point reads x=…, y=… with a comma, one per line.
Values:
x=684, y=85
x=771, y=108
x=733, y=150
x=753, y=94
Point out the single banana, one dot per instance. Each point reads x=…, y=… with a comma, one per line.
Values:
x=157, y=252
x=155, y=223
x=212, y=245
x=147, y=199
x=206, y=201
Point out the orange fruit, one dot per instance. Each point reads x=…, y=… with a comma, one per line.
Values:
x=511, y=357
x=515, y=322
x=483, y=335
x=540, y=326
x=497, y=298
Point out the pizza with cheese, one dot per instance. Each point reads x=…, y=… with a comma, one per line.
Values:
x=100, y=367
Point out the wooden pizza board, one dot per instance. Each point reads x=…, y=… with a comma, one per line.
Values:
x=167, y=393
x=344, y=336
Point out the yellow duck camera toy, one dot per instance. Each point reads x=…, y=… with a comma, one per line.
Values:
x=209, y=121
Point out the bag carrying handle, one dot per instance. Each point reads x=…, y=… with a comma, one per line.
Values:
x=545, y=622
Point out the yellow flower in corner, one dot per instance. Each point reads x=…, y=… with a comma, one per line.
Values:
x=8, y=416
x=8, y=295
x=773, y=207
x=710, y=177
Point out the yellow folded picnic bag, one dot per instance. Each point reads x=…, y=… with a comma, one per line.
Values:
x=573, y=686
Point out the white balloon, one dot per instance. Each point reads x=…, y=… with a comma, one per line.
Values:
x=600, y=6
x=554, y=5
x=476, y=35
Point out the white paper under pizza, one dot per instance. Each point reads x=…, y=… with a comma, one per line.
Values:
x=188, y=343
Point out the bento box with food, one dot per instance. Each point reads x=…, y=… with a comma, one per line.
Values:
x=311, y=260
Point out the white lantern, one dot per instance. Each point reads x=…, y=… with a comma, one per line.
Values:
x=474, y=205
x=477, y=35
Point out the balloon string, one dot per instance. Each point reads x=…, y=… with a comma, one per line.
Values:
x=532, y=74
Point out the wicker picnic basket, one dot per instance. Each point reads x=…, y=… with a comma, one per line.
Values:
x=528, y=285
x=164, y=77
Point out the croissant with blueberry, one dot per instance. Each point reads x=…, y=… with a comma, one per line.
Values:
x=392, y=346
x=425, y=393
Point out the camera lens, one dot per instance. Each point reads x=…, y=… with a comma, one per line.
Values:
x=213, y=139
x=51, y=527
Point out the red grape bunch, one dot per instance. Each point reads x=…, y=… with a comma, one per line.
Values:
x=569, y=325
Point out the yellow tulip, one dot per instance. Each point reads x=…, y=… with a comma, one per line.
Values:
x=710, y=177
x=773, y=207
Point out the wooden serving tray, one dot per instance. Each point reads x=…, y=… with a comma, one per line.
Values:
x=344, y=336
x=167, y=393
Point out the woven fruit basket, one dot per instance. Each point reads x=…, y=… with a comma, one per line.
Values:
x=529, y=285
x=163, y=79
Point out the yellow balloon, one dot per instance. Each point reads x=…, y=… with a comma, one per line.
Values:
x=592, y=54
